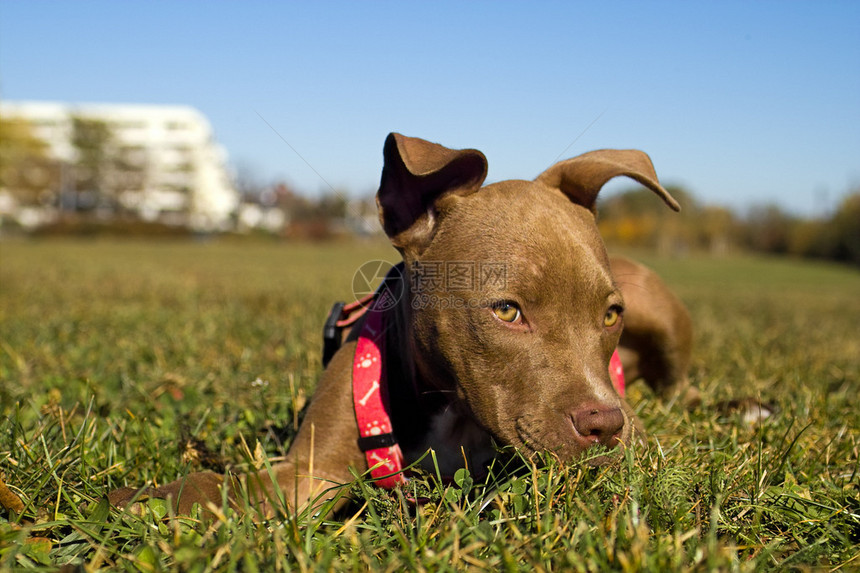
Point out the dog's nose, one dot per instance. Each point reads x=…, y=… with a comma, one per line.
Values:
x=597, y=425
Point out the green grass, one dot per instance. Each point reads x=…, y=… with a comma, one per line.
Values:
x=114, y=355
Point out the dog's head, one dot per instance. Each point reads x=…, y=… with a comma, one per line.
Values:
x=513, y=306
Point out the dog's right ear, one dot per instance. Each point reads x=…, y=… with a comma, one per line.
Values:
x=416, y=174
x=582, y=177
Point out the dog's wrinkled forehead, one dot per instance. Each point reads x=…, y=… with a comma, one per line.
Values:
x=542, y=240
x=523, y=218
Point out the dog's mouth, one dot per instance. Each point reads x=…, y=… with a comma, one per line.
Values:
x=528, y=442
x=532, y=437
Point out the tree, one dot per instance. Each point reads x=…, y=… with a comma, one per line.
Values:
x=93, y=141
x=638, y=218
x=846, y=229
x=27, y=170
x=769, y=229
x=717, y=227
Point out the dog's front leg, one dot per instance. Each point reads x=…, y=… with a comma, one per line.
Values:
x=319, y=459
x=203, y=488
x=323, y=451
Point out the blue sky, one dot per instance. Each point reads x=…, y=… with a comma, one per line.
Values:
x=741, y=102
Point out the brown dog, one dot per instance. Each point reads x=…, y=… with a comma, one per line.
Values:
x=509, y=342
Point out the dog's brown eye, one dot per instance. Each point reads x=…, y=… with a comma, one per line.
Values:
x=507, y=312
x=611, y=317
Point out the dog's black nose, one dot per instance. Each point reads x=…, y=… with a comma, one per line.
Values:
x=597, y=425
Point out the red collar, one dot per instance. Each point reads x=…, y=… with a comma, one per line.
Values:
x=616, y=373
x=370, y=400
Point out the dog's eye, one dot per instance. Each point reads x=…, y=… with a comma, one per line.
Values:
x=507, y=311
x=611, y=317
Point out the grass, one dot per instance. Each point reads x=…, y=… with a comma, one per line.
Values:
x=128, y=362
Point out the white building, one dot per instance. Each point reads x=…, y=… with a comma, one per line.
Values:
x=182, y=173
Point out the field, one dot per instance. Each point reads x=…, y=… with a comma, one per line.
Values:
x=123, y=363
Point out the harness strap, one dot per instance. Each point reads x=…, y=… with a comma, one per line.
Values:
x=341, y=316
x=370, y=400
x=350, y=313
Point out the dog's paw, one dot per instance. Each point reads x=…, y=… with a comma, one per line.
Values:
x=751, y=410
x=129, y=498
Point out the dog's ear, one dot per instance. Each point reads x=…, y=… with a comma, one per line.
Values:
x=582, y=177
x=415, y=175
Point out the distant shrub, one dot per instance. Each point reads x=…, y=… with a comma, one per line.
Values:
x=90, y=227
x=635, y=219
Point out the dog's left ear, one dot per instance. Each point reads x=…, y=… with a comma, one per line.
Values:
x=582, y=177
x=416, y=174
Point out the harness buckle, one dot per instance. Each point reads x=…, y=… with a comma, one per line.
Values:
x=367, y=443
x=332, y=333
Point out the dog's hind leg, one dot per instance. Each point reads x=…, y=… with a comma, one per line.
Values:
x=658, y=333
